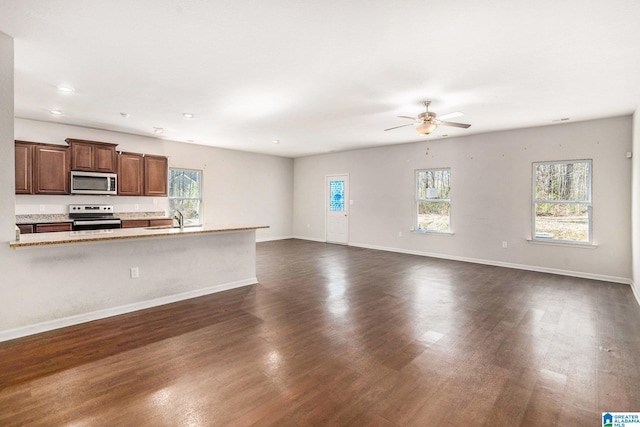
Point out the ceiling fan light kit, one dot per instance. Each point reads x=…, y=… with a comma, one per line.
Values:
x=427, y=122
x=426, y=128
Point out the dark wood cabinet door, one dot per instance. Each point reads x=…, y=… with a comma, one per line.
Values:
x=24, y=168
x=104, y=159
x=135, y=223
x=155, y=176
x=53, y=227
x=164, y=222
x=82, y=156
x=130, y=174
x=92, y=156
x=26, y=228
x=141, y=223
x=51, y=169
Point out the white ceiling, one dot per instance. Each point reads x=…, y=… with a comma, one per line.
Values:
x=321, y=76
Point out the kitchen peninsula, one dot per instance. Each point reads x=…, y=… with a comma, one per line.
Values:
x=124, y=270
x=43, y=239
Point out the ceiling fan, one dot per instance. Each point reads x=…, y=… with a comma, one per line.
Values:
x=427, y=122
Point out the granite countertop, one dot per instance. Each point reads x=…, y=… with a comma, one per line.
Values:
x=42, y=218
x=66, y=237
x=50, y=218
x=141, y=215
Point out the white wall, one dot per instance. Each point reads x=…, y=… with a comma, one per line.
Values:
x=7, y=162
x=635, y=211
x=238, y=188
x=491, y=196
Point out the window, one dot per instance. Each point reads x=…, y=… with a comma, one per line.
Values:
x=562, y=201
x=433, y=200
x=185, y=194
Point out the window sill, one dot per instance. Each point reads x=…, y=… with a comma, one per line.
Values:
x=434, y=232
x=563, y=243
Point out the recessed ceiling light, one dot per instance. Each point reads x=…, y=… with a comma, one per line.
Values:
x=55, y=112
x=564, y=119
x=275, y=141
x=125, y=115
x=66, y=89
x=158, y=130
x=188, y=115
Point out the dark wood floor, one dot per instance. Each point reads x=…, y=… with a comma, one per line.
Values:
x=336, y=335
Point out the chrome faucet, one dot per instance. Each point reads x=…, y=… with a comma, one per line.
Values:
x=180, y=217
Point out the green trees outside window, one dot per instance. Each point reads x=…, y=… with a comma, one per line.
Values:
x=562, y=201
x=185, y=194
x=433, y=200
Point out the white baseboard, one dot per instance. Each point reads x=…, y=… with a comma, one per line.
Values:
x=312, y=239
x=636, y=291
x=115, y=311
x=561, y=272
x=270, y=239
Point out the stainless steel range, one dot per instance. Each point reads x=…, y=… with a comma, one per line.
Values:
x=93, y=217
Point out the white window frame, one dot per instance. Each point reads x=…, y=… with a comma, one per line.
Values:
x=200, y=210
x=588, y=203
x=418, y=200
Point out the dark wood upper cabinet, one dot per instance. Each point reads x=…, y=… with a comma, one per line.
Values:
x=24, y=167
x=51, y=169
x=155, y=176
x=92, y=156
x=130, y=174
x=44, y=168
x=82, y=156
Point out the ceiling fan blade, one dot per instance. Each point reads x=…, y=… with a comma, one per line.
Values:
x=401, y=126
x=407, y=117
x=451, y=115
x=455, y=125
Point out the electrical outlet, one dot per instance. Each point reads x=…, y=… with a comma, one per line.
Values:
x=136, y=206
x=504, y=244
x=135, y=272
x=42, y=208
x=399, y=233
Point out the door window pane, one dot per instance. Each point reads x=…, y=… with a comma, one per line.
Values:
x=336, y=189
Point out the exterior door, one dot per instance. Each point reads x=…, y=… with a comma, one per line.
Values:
x=337, y=206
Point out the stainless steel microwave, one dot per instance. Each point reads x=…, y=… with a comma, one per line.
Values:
x=94, y=183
